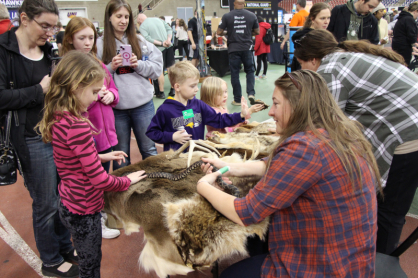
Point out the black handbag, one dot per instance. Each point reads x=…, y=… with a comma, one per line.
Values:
x=8, y=158
x=8, y=165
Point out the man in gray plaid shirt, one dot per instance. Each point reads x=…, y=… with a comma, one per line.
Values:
x=382, y=94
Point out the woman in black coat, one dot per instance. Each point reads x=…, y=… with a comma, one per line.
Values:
x=25, y=59
x=405, y=32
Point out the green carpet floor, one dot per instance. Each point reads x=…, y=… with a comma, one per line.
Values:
x=264, y=91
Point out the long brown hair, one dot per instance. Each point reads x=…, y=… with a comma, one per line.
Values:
x=319, y=43
x=76, y=70
x=109, y=44
x=313, y=107
x=315, y=10
x=182, y=24
x=75, y=25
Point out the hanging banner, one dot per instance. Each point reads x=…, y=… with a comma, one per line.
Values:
x=65, y=15
x=12, y=3
x=266, y=9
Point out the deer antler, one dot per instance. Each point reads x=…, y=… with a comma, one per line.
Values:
x=200, y=144
x=257, y=151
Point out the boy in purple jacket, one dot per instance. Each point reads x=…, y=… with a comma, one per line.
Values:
x=184, y=117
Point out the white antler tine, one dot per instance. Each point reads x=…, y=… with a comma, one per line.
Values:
x=203, y=143
x=224, y=153
x=245, y=156
x=191, y=148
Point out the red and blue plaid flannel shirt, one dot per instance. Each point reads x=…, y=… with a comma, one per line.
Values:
x=319, y=226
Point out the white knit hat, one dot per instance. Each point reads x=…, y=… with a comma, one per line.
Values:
x=379, y=7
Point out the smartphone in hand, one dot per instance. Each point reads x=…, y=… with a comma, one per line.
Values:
x=126, y=52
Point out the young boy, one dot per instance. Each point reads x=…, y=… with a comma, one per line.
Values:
x=184, y=117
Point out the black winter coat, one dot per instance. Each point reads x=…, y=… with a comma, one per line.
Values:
x=404, y=32
x=340, y=21
x=24, y=96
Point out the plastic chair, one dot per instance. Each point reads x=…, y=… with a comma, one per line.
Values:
x=387, y=266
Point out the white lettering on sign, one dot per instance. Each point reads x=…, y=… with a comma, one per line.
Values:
x=12, y=3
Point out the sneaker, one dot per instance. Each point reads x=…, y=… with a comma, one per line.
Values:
x=251, y=98
x=236, y=103
x=160, y=95
x=64, y=269
x=107, y=232
x=171, y=93
x=71, y=257
x=257, y=77
x=263, y=77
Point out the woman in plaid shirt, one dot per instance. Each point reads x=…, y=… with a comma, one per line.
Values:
x=318, y=188
x=372, y=86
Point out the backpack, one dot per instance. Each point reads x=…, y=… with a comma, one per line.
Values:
x=268, y=37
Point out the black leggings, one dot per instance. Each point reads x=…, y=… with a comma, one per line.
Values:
x=398, y=194
x=183, y=45
x=251, y=267
x=259, y=58
x=86, y=231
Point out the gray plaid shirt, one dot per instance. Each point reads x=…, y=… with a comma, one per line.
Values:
x=380, y=94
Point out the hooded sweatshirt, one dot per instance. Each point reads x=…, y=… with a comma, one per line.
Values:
x=404, y=32
x=171, y=116
x=260, y=47
x=134, y=87
x=356, y=23
x=347, y=24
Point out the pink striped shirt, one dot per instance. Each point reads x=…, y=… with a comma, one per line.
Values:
x=83, y=179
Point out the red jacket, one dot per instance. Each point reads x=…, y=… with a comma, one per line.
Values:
x=260, y=46
x=5, y=25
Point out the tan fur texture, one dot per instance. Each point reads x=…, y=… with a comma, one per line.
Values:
x=203, y=234
x=142, y=205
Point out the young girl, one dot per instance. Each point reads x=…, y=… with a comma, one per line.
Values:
x=81, y=35
x=214, y=92
x=75, y=85
x=183, y=38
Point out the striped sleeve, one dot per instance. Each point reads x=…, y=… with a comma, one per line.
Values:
x=80, y=141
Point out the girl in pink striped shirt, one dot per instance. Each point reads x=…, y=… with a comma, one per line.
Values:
x=75, y=85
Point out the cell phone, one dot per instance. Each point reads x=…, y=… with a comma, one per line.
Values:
x=55, y=61
x=126, y=53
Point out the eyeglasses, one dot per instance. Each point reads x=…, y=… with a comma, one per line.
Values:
x=50, y=29
x=297, y=85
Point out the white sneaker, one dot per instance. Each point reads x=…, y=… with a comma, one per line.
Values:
x=107, y=232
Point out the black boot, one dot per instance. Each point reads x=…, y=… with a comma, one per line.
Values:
x=52, y=271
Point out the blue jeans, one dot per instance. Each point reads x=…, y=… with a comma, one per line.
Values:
x=137, y=119
x=235, y=60
x=51, y=237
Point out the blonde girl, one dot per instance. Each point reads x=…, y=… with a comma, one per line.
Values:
x=75, y=85
x=214, y=92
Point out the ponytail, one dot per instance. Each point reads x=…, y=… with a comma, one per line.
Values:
x=319, y=43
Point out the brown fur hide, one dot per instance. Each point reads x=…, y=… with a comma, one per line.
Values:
x=247, y=139
x=183, y=231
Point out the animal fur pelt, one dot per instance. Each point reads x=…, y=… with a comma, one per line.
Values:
x=183, y=231
x=254, y=139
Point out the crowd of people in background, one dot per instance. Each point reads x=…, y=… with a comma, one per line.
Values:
x=337, y=185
